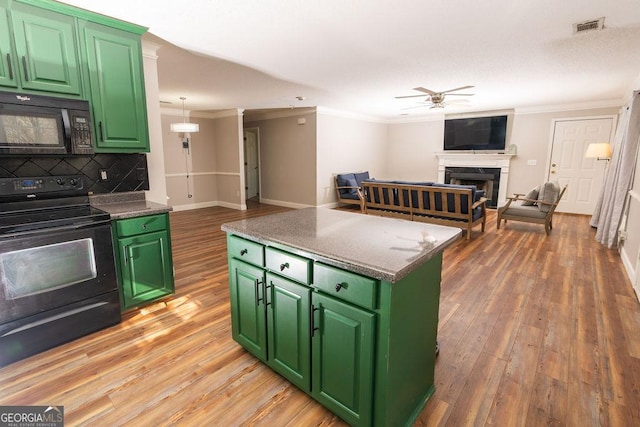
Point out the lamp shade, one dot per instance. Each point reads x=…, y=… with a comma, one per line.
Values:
x=600, y=150
x=185, y=127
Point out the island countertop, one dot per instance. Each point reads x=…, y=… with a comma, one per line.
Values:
x=382, y=248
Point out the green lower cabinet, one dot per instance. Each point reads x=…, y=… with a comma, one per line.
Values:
x=144, y=260
x=248, y=318
x=288, y=326
x=343, y=353
x=362, y=347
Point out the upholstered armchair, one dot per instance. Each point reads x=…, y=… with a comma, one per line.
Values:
x=536, y=207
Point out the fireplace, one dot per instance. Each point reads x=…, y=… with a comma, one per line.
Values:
x=475, y=168
x=487, y=179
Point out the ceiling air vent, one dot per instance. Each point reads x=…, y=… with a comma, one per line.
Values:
x=593, y=24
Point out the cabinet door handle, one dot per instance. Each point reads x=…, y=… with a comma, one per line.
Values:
x=124, y=253
x=283, y=266
x=9, y=67
x=267, y=293
x=24, y=66
x=243, y=252
x=258, y=282
x=101, y=132
x=312, y=320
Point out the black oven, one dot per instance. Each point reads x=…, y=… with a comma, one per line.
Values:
x=35, y=124
x=57, y=270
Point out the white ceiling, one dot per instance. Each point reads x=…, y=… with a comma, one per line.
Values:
x=357, y=55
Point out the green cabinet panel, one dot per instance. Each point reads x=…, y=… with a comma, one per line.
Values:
x=46, y=50
x=8, y=65
x=345, y=285
x=288, y=325
x=288, y=265
x=116, y=87
x=343, y=359
x=246, y=250
x=144, y=262
x=248, y=317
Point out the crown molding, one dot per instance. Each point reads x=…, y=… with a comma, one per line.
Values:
x=612, y=103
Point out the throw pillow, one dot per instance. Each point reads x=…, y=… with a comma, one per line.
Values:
x=549, y=192
x=533, y=195
x=351, y=182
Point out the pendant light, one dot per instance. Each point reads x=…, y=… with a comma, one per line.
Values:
x=184, y=127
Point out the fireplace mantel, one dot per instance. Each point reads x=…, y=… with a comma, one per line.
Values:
x=478, y=160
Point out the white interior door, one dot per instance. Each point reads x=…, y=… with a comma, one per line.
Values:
x=251, y=170
x=569, y=166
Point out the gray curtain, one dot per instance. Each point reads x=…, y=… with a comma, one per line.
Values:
x=610, y=205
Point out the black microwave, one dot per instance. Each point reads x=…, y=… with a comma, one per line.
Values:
x=36, y=124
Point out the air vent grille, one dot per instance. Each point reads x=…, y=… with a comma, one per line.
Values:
x=591, y=25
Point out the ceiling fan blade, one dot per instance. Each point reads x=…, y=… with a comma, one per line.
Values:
x=458, y=88
x=460, y=94
x=423, y=90
x=409, y=96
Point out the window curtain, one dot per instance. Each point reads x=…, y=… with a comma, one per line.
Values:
x=610, y=206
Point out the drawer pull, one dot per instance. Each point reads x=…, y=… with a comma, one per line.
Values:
x=243, y=252
x=283, y=266
x=339, y=286
x=144, y=226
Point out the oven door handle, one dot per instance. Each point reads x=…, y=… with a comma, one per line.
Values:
x=58, y=229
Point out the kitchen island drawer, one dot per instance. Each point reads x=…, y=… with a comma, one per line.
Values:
x=288, y=265
x=141, y=225
x=345, y=285
x=245, y=250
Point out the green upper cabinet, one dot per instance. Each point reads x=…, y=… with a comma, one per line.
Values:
x=7, y=57
x=45, y=57
x=116, y=89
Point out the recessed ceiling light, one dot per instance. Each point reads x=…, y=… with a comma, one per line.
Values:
x=300, y=98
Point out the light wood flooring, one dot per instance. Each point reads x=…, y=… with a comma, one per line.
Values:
x=533, y=330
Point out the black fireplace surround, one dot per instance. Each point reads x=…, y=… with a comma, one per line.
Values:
x=487, y=179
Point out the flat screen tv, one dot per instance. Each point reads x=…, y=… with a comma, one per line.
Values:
x=476, y=133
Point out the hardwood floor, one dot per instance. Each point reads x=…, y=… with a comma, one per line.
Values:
x=533, y=330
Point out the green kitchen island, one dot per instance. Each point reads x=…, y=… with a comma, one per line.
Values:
x=343, y=305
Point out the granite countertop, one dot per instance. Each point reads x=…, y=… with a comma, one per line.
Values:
x=127, y=205
x=382, y=248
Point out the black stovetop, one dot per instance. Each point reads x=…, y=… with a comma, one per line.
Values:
x=45, y=203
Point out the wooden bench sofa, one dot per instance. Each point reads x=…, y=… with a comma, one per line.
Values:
x=459, y=206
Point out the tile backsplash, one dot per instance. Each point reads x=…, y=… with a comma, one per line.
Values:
x=125, y=172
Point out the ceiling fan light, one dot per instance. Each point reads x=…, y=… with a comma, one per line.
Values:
x=185, y=127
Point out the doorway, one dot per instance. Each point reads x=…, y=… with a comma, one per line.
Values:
x=568, y=166
x=252, y=163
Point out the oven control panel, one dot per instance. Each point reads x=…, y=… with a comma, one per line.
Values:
x=40, y=185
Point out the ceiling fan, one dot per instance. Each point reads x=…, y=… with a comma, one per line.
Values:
x=437, y=98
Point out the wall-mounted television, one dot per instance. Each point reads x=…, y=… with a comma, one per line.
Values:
x=476, y=133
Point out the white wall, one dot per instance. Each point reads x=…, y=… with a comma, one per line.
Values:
x=209, y=170
x=411, y=149
x=411, y=146
x=347, y=144
x=287, y=158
